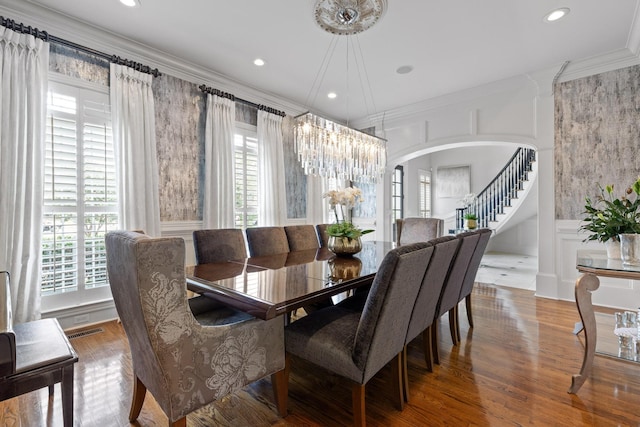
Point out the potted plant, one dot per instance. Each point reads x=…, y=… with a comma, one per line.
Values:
x=608, y=217
x=344, y=236
x=470, y=221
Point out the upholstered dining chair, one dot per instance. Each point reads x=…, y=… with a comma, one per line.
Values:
x=184, y=353
x=412, y=230
x=470, y=277
x=219, y=245
x=264, y=241
x=301, y=237
x=34, y=355
x=356, y=345
x=323, y=237
x=426, y=304
x=451, y=290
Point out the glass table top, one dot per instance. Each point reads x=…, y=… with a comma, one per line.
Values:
x=597, y=260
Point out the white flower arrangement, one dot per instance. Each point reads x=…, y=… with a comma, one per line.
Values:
x=347, y=197
x=468, y=199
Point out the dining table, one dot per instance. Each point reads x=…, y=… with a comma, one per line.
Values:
x=274, y=285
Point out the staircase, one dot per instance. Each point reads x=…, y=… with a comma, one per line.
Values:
x=493, y=203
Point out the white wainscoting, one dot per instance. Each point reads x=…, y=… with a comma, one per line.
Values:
x=619, y=293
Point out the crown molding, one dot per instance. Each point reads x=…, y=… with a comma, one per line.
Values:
x=633, y=41
x=614, y=60
x=72, y=29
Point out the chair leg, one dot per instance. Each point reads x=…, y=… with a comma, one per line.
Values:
x=357, y=397
x=453, y=325
x=396, y=381
x=66, y=385
x=182, y=422
x=405, y=375
x=467, y=303
x=428, y=348
x=434, y=341
x=280, y=384
x=139, y=392
x=457, y=314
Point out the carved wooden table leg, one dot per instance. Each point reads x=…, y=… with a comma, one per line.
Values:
x=585, y=285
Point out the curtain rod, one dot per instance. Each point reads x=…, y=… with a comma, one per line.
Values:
x=232, y=97
x=21, y=28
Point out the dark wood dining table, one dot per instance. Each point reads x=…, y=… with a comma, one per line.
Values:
x=273, y=285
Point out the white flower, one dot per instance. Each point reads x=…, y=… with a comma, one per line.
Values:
x=468, y=199
x=347, y=197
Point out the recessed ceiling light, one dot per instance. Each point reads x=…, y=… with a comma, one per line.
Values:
x=405, y=69
x=556, y=14
x=259, y=62
x=130, y=3
x=332, y=95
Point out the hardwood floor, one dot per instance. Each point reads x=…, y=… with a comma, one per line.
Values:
x=513, y=368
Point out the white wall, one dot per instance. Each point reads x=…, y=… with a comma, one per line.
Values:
x=484, y=161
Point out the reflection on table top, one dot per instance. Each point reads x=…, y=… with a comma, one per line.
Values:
x=268, y=286
x=596, y=262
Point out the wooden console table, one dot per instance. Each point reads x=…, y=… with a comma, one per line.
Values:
x=593, y=264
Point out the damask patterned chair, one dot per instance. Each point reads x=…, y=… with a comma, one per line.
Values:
x=412, y=230
x=264, y=241
x=301, y=237
x=219, y=245
x=356, y=345
x=186, y=357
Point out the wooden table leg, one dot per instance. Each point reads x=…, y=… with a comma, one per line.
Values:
x=585, y=285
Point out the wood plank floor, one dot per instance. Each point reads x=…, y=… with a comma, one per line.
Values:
x=512, y=369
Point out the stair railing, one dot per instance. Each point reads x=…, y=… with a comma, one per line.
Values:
x=491, y=201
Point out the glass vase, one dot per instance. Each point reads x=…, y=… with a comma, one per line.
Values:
x=630, y=248
x=613, y=248
x=344, y=246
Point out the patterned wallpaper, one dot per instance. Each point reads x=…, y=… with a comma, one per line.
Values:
x=597, y=135
x=295, y=179
x=74, y=63
x=180, y=121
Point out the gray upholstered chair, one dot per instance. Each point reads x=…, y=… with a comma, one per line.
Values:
x=470, y=277
x=301, y=237
x=412, y=230
x=186, y=356
x=323, y=237
x=356, y=345
x=34, y=355
x=451, y=290
x=219, y=245
x=424, y=310
x=264, y=241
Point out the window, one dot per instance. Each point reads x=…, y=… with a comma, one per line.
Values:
x=80, y=197
x=425, y=193
x=246, y=177
x=397, y=197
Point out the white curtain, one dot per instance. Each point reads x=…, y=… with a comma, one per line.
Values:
x=24, y=63
x=271, y=186
x=134, y=140
x=219, y=199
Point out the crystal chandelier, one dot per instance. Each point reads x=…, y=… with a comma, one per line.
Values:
x=327, y=148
